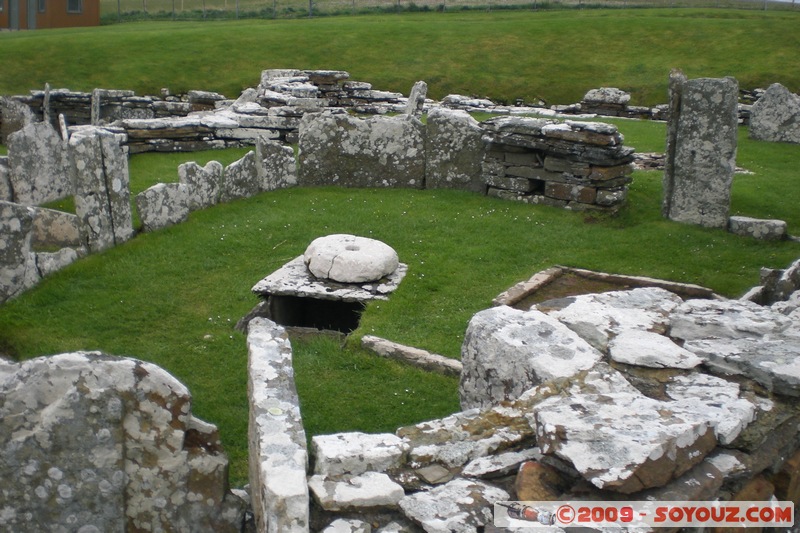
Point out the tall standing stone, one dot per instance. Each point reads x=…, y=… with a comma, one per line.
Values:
x=416, y=100
x=701, y=150
x=102, y=192
x=39, y=165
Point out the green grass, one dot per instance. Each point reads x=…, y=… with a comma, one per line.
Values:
x=555, y=55
x=172, y=297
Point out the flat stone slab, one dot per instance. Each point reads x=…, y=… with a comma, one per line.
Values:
x=458, y=506
x=356, y=453
x=645, y=348
x=294, y=279
x=365, y=491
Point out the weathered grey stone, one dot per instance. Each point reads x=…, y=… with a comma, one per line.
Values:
x=501, y=464
x=645, y=348
x=17, y=269
x=277, y=441
x=277, y=163
x=773, y=362
x=459, y=438
x=355, y=453
x=454, y=151
x=622, y=441
x=413, y=356
x=50, y=262
x=341, y=525
x=776, y=116
x=14, y=116
x=725, y=319
x=365, y=491
x=39, y=164
x=6, y=193
x=205, y=183
x=713, y=398
x=55, y=228
x=337, y=149
x=701, y=150
x=102, y=194
x=597, y=318
x=460, y=506
x=766, y=230
x=507, y=351
x=163, y=204
x=416, y=100
x=242, y=179
x=108, y=443
x=350, y=259
x=607, y=95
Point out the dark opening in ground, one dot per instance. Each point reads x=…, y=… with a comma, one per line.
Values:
x=294, y=311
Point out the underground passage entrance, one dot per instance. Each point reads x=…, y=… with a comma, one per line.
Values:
x=298, y=312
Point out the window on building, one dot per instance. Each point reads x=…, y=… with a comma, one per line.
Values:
x=74, y=6
x=41, y=6
x=2, y=3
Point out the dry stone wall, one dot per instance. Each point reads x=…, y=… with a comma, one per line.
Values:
x=578, y=165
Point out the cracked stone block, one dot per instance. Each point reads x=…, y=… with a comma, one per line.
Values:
x=507, y=351
x=621, y=441
x=597, y=318
x=365, y=491
x=356, y=453
x=460, y=506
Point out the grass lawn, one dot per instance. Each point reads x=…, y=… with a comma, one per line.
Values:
x=553, y=55
x=172, y=297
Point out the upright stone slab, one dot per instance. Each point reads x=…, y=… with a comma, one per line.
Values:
x=701, y=150
x=776, y=116
x=14, y=116
x=17, y=267
x=242, y=179
x=416, y=100
x=102, y=193
x=39, y=165
x=341, y=150
x=204, y=183
x=277, y=164
x=454, y=151
x=277, y=440
x=162, y=205
x=5, y=180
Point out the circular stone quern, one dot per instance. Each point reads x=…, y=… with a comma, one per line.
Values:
x=350, y=259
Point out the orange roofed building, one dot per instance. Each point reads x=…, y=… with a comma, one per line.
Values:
x=36, y=14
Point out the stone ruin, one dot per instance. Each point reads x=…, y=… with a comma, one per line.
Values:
x=635, y=394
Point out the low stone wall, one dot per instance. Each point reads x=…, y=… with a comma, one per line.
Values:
x=625, y=394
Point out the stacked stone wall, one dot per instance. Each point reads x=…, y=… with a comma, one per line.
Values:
x=578, y=165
